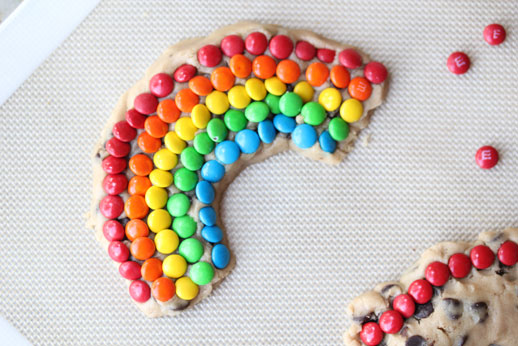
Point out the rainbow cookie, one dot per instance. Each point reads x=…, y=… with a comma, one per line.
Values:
x=205, y=110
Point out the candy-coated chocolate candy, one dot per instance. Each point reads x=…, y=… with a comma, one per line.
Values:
x=205, y=192
x=200, y=85
x=185, y=179
x=486, y=157
x=130, y=270
x=184, y=73
x=227, y=152
x=139, y=291
x=145, y=103
x=482, y=257
x=459, y=265
x=186, y=99
x=164, y=159
x=212, y=234
x=284, y=124
x=330, y=98
x=326, y=55
x=264, y=66
x=217, y=130
x=156, y=197
x=166, y=241
x=508, y=253
x=257, y=111
x=117, y=148
x=255, y=89
x=114, y=184
x=304, y=90
x=124, y=132
x=220, y=256
x=305, y=50
x=371, y=334
x=201, y=273
x=184, y=226
x=140, y=164
x=266, y=131
x=256, y=43
x=209, y=55
x=163, y=289
x=168, y=111
x=304, y=136
x=191, y=249
x=138, y=185
x=203, y=144
x=148, y=144
x=217, y=102
x=437, y=273
x=118, y=251
x=290, y=104
x=338, y=129
x=178, y=204
x=288, y=71
x=212, y=171
x=111, y=206
x=247, y=141
x=458, y=63
x=351, y=110
x=327, y=143
x=273, y=103
x=191, y=159
x=275, y=86
x=136, y=207
x=391, y=322
x=238, y=97
x=281, y=46
x=232, y=45
x=142, y=248
x=340, y=76
x=494, y=34
x=174, y=143
x=350, y=58
x=200, y=116
x=136, y=228
x=317, y=73
x=360, y=88
x=186, y=289
x=113, y=230
x=135, y=119
x=375, y=72
x=235, y=120
x=222, y=78
x=113, y=165
x=185, y=129
x=158, y=220
x=421, y=291
x=161, y=84
x=404, y=304
x=240, y=66
x=207, y=216
x=151, y=269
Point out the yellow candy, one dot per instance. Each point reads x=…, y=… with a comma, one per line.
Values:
x=200, y=116
x=166, y=241
x=255, y=89
x=330, y=98
x=238, y=97
x=217, y=102
x=158, y=220
x=156, y=197
x=174, y=266
x=165, y=159
x=186, y=289
x=161, y=178
x=275, y=86
x=304, y=90
x=185, y=128
x=174, y=143
x=351, y=110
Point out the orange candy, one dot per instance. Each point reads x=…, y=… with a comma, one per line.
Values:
x=317, y=73
x=360, y=88
x=156, y=127
x=163, y=289
x=288, y=71
x=140, y=165
x=148, y=144
x=340, y=77
x=142, y=248
x=186, y=99
x=167, y=111
x=264, y=66
x=200, y=86
x=138, y=185
x=136, y=228
x=222, y=78
x=240, y=66
x=136, y=207
x=151, y=269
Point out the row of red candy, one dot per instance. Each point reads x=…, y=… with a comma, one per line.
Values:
x=436, y=274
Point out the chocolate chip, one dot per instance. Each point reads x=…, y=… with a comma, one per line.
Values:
x=437, y=291
x=479, y=312
x=497, y=237
x=453, y=308
x=123, y=221
x=404, y=331
x=365, y=318
x=416, y=340
x=386, y=288
x=461, y=341
x=423, y=310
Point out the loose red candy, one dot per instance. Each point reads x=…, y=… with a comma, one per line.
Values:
x=117, y=148
x=161, y=84
x=494, y=34
x=437, y=273
x=118, y=251
x=460, y=265
x=114, y=165
x=232, y=45
x=486, y=157
x=371, y=334
x=256, y=43
x=113, y=230
x=139, y=291
x=350, y=58
x=305, y=50
x=375, y=72
x=482, y=257
x=508, y=253
x=421, y=291
x=326, y=55
x=111, y=206
x=145, y=103
x=404, y=304
x=281, y=46
x=135, y=119
x=114, y=184
x=130, y=270
x=390, y=322
x=458, y=63
x=184, y=73
x=209, y=55
x=124, y=132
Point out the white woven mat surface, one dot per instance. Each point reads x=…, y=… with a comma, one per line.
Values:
x=308, y=237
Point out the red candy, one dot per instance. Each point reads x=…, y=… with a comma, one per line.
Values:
x=421, y=291
x=117, y=148
x=494, y=34
x=305, y=50
x=232, y=45
x=482, y=257
x=111, y=206
x=114, y=184
x=139, y=291
x=486, y=157
x=118, y=251
x=256, y=43
x=326, y=55
x=371, y=334
x=209, y=55
x=135, y=119
x=404, y=304
x=130, y=270
x=124, y=132
x=437, y=273
x=508, y=253
x=184, y=73
x=113, y=230
x=350, y=58
x=281, y=46
x=145, y=103
x=114, y=165
x=391, y=322
x=161, y=84
x=460, y=265
x=375, y=72
x=458, y=63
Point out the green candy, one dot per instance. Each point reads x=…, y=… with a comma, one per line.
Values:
x=257, y=111
x=178, y=204
x=191, y=249
x=217, y=130
x=235, y=120
x=273, y=102
x=185, y=180
x=201, y=273
x=191, y=159
x=338, y=129
x=184, y=226
x=290, y=104
x=203, y=144
x=313, y=113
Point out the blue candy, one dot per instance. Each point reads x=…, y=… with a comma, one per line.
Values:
x=247, y=141
x=212, y=234
x=304, y=136
x=207, y=216
x=220, y=256
x=227, y=152
x=266, y=131
x=283, y=123
x=327, y=143
x=205, y=192
x=212, y=171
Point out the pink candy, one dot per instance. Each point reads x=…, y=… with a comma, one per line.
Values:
x=375, y=72
x=494, y=34
x=135, y=119
x=458, y=63
x=139, y=291
x=118, y=251
x=123, y=131
x=305, y=50
x=326, y=55
x=209, y=55
x=232, y=45
x=117, y=148
x=111, y=207
x=161, y=84
x=350, y=58
x=130, y=270
x=113, y=230
x=184, y=73
x=115, y=184
x=145, y=103
x=114, y=165
x=281, y=46
x=256, y=43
